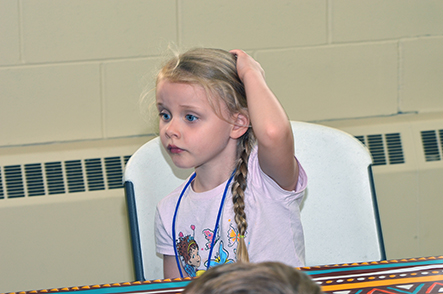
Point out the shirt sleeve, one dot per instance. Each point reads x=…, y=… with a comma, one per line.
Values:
x=163, y=240
x=267, y=187
x=302, y=178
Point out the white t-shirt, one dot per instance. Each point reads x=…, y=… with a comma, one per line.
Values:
x=274, y=230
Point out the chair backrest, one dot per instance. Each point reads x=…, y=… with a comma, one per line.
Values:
x=339, y=213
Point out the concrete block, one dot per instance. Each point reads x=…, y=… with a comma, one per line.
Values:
x=124, y=83
x=422, y=82
x=380, y=20
x=334, y=82
x=9, y=33
x=93, y=29
x=252, y=24
x=50, y=103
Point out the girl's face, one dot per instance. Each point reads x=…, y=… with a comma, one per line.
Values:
x=190, y=130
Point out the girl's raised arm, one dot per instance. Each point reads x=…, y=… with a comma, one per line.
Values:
x=270, y=124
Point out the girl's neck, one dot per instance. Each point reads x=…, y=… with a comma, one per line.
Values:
x=207, y=180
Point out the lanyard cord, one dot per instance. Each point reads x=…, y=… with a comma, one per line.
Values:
x=216, y=223
x=218, y=219
x=173, y=222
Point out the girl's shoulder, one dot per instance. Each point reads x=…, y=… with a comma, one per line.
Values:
x=171, y=198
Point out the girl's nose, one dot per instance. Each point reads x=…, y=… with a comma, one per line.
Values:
x=172, y=129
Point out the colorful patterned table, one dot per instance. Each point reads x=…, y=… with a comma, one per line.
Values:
x=415, y=276
x=405, y=276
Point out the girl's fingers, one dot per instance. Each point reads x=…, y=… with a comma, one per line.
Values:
x=236, y=51
x=246, y=63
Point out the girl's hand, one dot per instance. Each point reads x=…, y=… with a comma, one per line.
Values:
x=246, y=65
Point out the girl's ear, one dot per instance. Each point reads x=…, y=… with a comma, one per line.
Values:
x=241, y=125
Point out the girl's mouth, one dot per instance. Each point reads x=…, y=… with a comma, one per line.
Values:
x=174, y=149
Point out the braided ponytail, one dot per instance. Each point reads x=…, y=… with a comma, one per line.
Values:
x=244, y=148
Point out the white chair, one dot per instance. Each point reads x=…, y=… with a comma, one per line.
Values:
x=339, y=213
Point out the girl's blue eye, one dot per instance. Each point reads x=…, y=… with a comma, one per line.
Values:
x=165, y=116
x=191, y=117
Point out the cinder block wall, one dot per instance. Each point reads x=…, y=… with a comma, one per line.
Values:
x=74, y=70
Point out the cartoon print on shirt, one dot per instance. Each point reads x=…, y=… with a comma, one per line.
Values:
x=221, y=257
x=187, y=248
x=209, y=235
x=233, y=236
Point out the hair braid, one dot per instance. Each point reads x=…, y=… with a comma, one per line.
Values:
x=238, y=193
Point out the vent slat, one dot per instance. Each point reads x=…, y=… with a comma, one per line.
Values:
x=14, y=181
x=74, y=175
x=114, y=172
x=395, y=149
x=94, y=174
x=361, y=139
x=2, y=193
x=126, y=158
x=15, y=190
x=376, y=147
x=54, y=178
x=430, y=145
x=34, y=179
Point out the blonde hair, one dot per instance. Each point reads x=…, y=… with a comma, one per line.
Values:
x=245, y=278
x=215, y=70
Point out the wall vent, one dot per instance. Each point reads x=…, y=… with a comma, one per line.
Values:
x=432, y=141
x=410, y=183
x=61, y=177
x=384, y=148
x=2, y=195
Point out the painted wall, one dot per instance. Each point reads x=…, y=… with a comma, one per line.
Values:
x=74, y=70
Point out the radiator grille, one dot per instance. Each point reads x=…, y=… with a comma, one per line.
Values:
x=54, y=178
x=432, y=141
x=2, y=193
x=74, y=175
x=14, y=181
x=114, y=174
x=395, y=148
x=94, y=174
x=60, y=177
x=34, y=179
x=384, y=148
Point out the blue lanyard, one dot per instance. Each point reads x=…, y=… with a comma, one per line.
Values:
x=216, y=223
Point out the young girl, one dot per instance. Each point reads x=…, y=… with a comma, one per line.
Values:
x=218, y=116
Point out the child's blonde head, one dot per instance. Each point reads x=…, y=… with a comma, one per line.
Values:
x=215, y=70
x=248, y=278
x=212, y=69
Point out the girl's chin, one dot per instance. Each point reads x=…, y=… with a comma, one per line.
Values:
x=182, y=165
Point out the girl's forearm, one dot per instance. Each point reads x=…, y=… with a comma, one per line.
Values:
x=268, y=118
x=270, y=124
